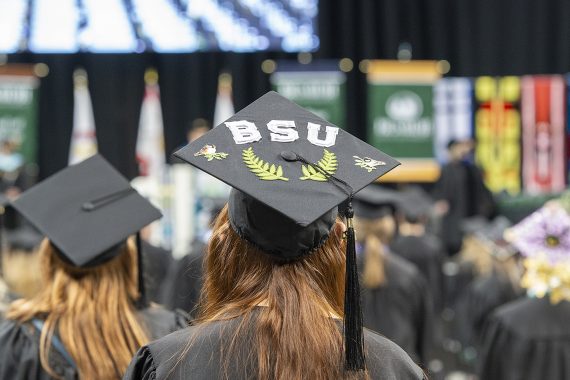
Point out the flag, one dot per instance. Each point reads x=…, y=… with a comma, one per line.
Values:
x=224, y=104
x=150, y=140
x=83, y=138
x=453, y=113
x=152, y=182
x=543, y=114
x=497, y=131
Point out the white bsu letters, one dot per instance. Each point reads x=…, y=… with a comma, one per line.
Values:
x=244, y=132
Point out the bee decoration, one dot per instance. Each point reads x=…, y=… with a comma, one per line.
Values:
x=367, y=163
x=209, y=151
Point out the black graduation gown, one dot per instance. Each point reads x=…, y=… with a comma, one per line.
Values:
x=426, y=253
x=184, y=283
x=461, y=185
x=157, y=262
x=401, y=309
x=528, y=339
x=19, y=345
x=384, y=359
x=479, y=300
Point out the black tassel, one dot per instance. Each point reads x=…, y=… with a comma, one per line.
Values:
x=353, y=335
x=142, y=301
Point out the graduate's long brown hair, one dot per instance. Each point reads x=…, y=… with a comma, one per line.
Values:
x=91, y=310
x=291, y=311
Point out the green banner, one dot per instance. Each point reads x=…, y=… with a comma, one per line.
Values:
x=321, y=92
x=400, y=119
x=18, y=118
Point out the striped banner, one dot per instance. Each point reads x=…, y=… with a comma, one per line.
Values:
x=544, y=133
x=453, y=113
x=498, y=132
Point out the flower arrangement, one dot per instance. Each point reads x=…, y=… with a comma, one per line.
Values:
x=543, y=238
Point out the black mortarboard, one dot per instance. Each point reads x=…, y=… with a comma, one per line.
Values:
x=24, y=238
x=290, y=169
x=86, y=210
x=375, y=201
x=414, y=203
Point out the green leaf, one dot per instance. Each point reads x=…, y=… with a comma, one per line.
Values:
x=263, y=170
x=327, y=163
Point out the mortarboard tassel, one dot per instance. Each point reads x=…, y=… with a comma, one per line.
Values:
x=353, y=333
x=142, y=302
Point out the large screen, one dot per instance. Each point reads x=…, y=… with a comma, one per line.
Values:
x=170, y=26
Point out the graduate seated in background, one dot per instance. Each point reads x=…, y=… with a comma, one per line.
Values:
x=497, y=275
x=281, y=292
x=414, y=243
x=181, y=289
x=20, y=262
x=529, y=339
x=396, y=301
x=91, y=314
x=157, y=263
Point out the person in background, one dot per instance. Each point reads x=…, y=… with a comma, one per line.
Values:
x=181, y=289
x=396, y=301
x=529, y=338
x=460, y=193
x=281, y=293
x=20, y=262
x=497, y=271
x=91, y=314
x=415, y=244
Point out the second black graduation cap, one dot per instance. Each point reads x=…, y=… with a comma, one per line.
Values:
x=86, y=210
x=376, y=201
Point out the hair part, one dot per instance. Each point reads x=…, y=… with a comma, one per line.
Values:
x=92, y=310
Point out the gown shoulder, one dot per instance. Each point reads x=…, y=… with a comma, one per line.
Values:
x=165, y=357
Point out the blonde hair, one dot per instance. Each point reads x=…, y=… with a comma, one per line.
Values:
x=295, y=335
x=21, y=271
x=92, y=310
x=374, y=233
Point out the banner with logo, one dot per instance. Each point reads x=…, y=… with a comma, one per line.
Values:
x=319, y=87
x=18, y=120
x=498, y=132
x=453, y=113
x=544, y=133
x=401, y=118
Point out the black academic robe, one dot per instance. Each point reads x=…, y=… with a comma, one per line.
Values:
x=157, y=262
x=184, y=283
x=461, y=185
x=401, y=309
x=479, y=300
x=528, y=339
x=426, y=253
x=160, y=359
x=19, y=345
